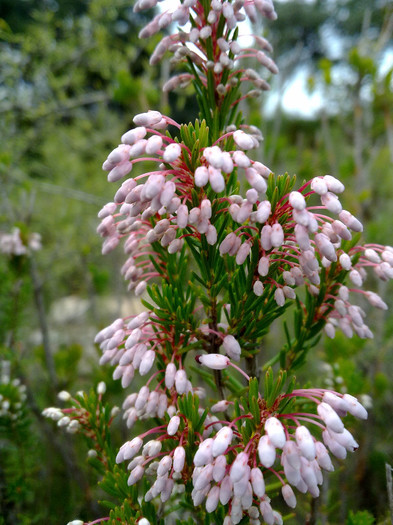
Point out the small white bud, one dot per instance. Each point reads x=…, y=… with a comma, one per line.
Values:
x=266, y=451
x=231, y=347
x=305, y=442
x=258, y=288
x=289, y=496
x=297, y=200
x=329, y=417
x=64, y=396
x=170, y=373
x=101, y=388
x=179, y=456
x=275, y=431
x=181, y=381
x=243, y=140
x=222, y=441
x=257, y=482
x=213, y=361
x=239, y=467
x=173, y=425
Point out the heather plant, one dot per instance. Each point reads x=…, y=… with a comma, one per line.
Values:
x=220, y=249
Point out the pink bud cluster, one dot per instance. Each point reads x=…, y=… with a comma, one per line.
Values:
x=217, y=26
x=165, y=197
x=304, y=243
x=228, y=471
x=132, y=344
x=166, y=467
x=297, y=242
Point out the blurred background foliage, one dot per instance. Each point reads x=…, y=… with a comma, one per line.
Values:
x=73, y=73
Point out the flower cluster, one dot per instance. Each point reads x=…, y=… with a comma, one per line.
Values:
x=211, y=43
x=230, y=470
x=15, y=243
x=300, y=242
x=223, y=247
x=77, y=418
x=12, y=394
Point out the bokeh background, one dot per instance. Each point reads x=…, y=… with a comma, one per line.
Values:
x=72, y=75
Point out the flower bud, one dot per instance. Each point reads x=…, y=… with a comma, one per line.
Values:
x=258, y=288
x=241, y=160
x=305, y=442
x=151, y=448
x=331, y=202
x=334, y=184
x=243, y=252
x=212, y=499
x=319, y=185
x=289, y=496
x=349, y=220
x=219, y=468
x=203, y=455
x=356, y=278
x=263, y=266
x=201, y=176
x=345, y=439
x=297, y=200
x=211, y=235
x=64, y=396
x=142, y=398
x=335, y=448
x=279, y=297
x=231, y=347
x=227, y=243
x=376, y=301
x=325, y=247
x=354, y=407
x=182, y=216
x=181, y=381
x=216, y=179
x=173, y=425
x=172, y=152
x=267, y=512
x=179, y=456
x=164, y=465
x=243, y=140
x=323, y=457
x=147, y=119
x=330, y=418
x=266, y=452
x=147, y=362
x=101, y=388
x=167, y=490
x=222, y=441
x=204, y=477
x=257, y=482
x=275, y=432
x=135, y=475
x=266, y=240
x=213, y=361
x=153, y=145
x=239, y=467
x=170, y=373
x=257, y=182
